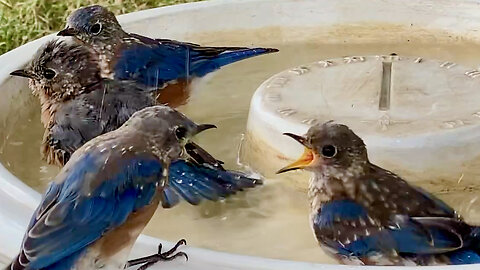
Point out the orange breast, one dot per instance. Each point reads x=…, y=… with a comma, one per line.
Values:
x=174, y=95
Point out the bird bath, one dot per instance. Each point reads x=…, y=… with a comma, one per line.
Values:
x=441, y=32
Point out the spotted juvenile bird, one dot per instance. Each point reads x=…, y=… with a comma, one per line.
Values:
x=77, y=103
x=153, y=62
x=364, y=214
x=98, y=204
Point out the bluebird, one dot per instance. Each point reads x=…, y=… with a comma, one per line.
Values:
x=96, y=207
x=153, y=62
x=364, y=214
x=77, y=104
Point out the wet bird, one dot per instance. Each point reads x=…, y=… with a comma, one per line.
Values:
x=98, y=204
x=363, y=214
x=153, y=62
x=77, y=103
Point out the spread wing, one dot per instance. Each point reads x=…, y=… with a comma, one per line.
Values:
x=97, y=190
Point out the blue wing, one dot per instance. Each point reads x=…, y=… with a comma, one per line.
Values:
x=90, y=197
x=197, y=182
x=203, y=176
x=156, y=62
x=348, y=227
x=79, y=207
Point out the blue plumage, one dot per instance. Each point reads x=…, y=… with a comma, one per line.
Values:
x=111, y=186
x=152, y=62
x=77, y=218
x=68, y=220
x=364, y=214
x=195, y=183
x=158, y=63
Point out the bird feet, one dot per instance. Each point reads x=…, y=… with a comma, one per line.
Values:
x=153, y=259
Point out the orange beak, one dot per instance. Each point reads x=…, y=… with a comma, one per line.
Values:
x=304, y=161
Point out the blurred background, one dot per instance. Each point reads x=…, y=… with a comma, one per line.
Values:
x=25, y=20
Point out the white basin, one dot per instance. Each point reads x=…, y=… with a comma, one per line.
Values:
x=247, y=22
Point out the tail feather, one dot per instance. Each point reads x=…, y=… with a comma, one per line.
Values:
x=202, y=67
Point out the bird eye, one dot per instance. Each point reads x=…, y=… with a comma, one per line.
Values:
x=180, y=133
x=329, y=151
x=49, y=73
x=96, y=28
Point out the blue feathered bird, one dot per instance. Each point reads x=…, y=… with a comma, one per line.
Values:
x=152, y=62
x=96, y=207
x=364, y=214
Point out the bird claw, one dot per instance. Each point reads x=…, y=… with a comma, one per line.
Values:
x=169, y=255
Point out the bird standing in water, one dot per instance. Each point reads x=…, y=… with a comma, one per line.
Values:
x=161, y=63
x=77, y=103
x=96, y=207
x=364, y=214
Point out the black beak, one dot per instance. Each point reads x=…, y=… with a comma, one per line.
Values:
x=297, y=138
x=67, y=32
x=201, y=128
x=21, y=73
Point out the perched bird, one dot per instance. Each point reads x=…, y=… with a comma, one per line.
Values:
x=153, y=62
x=364, y=214
x=98, y=204
x=77, y=103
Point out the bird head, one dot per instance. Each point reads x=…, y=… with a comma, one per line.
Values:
x=329, y=146
x=60, y=70
x=93, y=25
x=165, y=131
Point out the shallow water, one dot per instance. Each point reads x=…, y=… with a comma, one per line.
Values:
x=271, y=221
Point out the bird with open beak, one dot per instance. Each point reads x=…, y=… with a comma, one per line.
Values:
x=363, y=214
x=96, y=207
